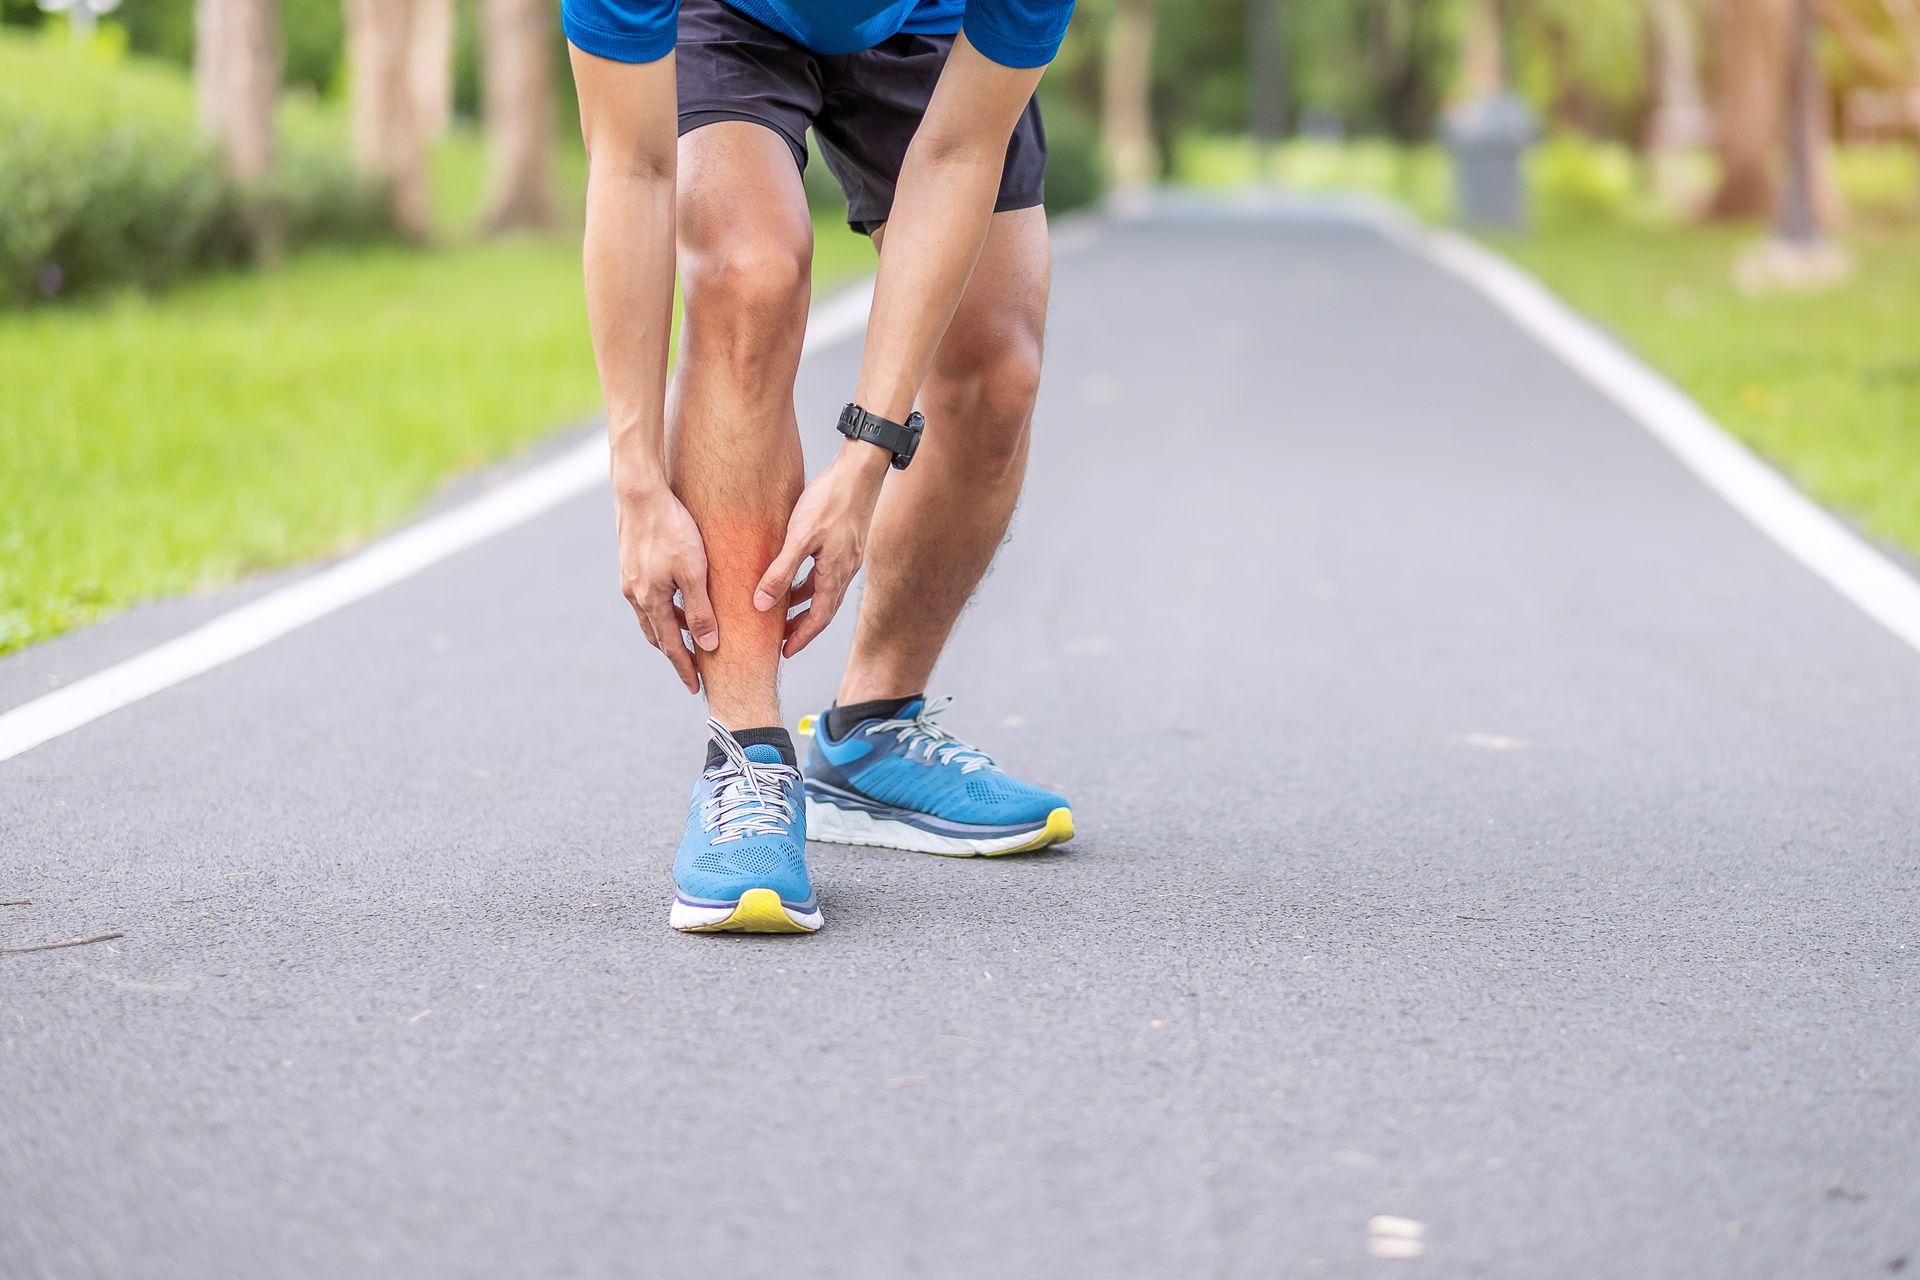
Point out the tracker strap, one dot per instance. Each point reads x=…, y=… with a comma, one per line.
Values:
x=899, y=439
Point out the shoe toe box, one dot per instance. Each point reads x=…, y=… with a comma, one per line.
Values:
x=722, y=872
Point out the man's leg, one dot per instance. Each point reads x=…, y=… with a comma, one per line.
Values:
x=941, y=520
x=733, y=445
x=885, y=773
x=733, y=451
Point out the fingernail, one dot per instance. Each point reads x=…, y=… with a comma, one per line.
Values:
x=710, y=641
x=762, y=601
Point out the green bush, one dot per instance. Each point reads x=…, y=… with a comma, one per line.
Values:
x=1074, y=176
x=1575, y=181
x=107, y=182
x=148, y=197
x=323, y=199
x=41, y=192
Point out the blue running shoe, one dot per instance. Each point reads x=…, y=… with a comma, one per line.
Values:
x=906, y=783
x=742, y=865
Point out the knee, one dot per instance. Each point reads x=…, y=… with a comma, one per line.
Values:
x=994, y=394
x=748, y=287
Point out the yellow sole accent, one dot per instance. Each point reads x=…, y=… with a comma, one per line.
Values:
x=1059, y=830
x=758, y=911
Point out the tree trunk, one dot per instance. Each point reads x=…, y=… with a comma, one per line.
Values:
x=1679, y=122
x=386, y=138
x=209, y=85
x=1749, y=105
x=1128, y=123
x=1906, y=21
x=1573, y=107
x=250, y=70
x=1901, y=75
x=1829, y=202
x=236, y=67
x=430, y=67
x=1484, y=59
x=517, y=44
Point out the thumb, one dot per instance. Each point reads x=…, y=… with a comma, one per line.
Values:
x=778, y=579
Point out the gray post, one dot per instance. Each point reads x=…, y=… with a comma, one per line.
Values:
x=1488, y=137
x=1266, y=85
x=1489, y=140
x=1799, y=222
x=1266, y=71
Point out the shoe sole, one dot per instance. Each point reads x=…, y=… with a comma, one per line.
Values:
x=834, y=824
x=758, y=911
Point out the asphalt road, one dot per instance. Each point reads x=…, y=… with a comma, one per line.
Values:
x=1481, y=825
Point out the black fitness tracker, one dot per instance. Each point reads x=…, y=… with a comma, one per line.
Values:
x=898, y=438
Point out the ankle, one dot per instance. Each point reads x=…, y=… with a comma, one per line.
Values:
x=737, y=718
x=843, y=716
x=878, y=687
x=773, y=735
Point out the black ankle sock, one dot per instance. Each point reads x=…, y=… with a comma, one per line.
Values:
x=775, y=737
x=841, y=720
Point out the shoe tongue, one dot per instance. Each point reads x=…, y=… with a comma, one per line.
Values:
x=761, y=753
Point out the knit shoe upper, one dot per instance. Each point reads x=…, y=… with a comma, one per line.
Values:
x=746, y=828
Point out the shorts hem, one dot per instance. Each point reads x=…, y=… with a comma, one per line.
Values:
x=1010, y=203
x=691, y=120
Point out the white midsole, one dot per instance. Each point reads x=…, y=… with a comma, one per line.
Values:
x=685, y=915
x=835, y=825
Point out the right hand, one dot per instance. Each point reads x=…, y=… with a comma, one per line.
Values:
x=660, y=554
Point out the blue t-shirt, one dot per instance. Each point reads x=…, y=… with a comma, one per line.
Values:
x=1014, y=33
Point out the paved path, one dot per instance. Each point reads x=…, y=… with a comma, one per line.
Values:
x=1481, y=825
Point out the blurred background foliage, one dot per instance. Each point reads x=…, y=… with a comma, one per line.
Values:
x=1353, y=72
x=237, y=329
x=107, y=181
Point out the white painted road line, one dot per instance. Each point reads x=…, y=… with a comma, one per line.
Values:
x=1880, y=588
x=395, y=559
x=1876, y=585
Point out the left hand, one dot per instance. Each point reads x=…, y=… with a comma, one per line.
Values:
x=829, y=523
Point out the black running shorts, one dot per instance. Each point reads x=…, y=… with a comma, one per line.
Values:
x=864, y=107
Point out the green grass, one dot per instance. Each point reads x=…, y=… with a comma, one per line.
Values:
x=162, y=445
x=158, y=445
x=1827, y=386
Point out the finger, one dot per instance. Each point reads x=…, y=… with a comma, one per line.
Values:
x=667, y=627
x=697, y=609
x=799, y=601
x=778, y=579
x=646, y=627
x=826, y=602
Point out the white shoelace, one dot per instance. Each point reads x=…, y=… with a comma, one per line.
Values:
x=752, y=796
x=919, y=732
